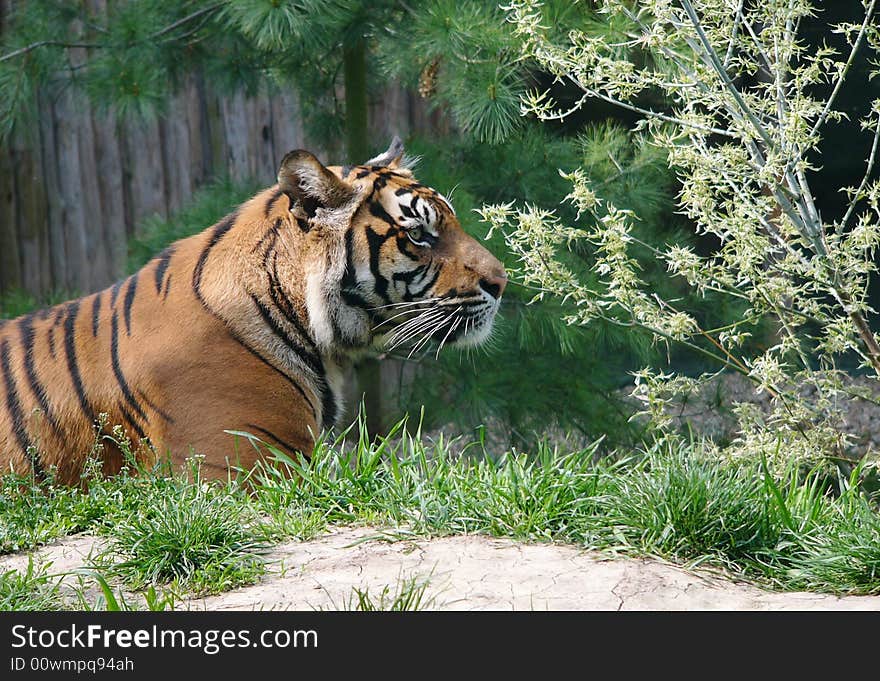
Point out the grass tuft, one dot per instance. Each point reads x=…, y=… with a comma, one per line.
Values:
x=33, y=589
x=798, y=530
x=679, y=505
x=197, y=536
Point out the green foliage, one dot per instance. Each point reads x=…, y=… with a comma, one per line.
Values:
x=745, y=152
x=407, y=596
x=459, y=54
x=195, y=535
x=33, y=589
x=690, y=508
x=131, y=57
x=16, y=303
x=671, y=498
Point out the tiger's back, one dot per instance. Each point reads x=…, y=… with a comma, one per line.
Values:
x=147, y=353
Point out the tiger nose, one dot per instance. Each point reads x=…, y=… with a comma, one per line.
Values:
x=494, y=283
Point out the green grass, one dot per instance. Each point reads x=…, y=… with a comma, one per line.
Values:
x=33, y=589
x=197, y=537
x=407, y=595
x=799, y=531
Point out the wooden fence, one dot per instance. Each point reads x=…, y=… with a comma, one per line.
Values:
x=76, y=184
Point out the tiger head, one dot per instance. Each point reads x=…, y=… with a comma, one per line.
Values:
x=398, y=269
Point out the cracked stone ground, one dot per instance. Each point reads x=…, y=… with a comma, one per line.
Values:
x=470, y=573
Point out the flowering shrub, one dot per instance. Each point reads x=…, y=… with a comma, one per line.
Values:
x=741, y=128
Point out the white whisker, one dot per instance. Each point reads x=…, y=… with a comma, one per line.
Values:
x=410, y=329
x=451, y=330
x=426, y=301
x=400, y=314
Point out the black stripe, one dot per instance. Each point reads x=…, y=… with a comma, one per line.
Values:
x=152, y=405
x=26, y=326
x=167, y=287
x=409, y=275
x=114, y=292
x=162, y=267
x=117, y=370
x=282, y=302
x=328, y=407
x=59, y=314
x=272, y=366
x=219, y=232
x=378, y=210
x=349, y=279
x=52, y=341
x=270, y=204
x=436, y=275
x=380, y=182
x=134, y=424
x=375, y=241
x=129, y=299
x=96, y=314
x=272, y=436
x=72, y=365
x=402, y=242
x=13, y=405
x=312, y=361
x=351, y=295
x=271, y=234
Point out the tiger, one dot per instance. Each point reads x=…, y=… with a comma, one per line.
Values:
x=246, y=327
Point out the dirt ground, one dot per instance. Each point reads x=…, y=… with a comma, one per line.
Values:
x=469, y=573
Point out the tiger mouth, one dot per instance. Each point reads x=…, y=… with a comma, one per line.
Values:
x=463, y=323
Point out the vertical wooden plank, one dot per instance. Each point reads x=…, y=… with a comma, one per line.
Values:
x=215, y=138
x=175, y=153
x=108, y=159
x=142, y=160
x=287, y=132
x=97, y=249
x=196, y=122
x=55, y=227
x=10, y=265
x=110, y=193
x=236, y=131
x=30, y=194
x=262, y=142
x=73, y=217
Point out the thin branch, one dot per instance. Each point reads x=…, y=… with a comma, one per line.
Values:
x=651, y=113
x=68, y=45
x=49, y=43
x=715, y=63
x=180, y=22
x=864, y=183
x=869, y=13
x=734, y=33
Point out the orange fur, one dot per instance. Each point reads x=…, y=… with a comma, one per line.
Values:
x=239, y=327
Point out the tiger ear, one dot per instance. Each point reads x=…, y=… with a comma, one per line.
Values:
x=310, y=185
x=391, y=157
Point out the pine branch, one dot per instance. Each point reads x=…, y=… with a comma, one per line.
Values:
x=49, y=43
x=204, y=12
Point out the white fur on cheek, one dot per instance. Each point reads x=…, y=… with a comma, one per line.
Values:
x=316, y=304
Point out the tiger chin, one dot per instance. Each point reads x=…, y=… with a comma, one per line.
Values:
x=248, y=325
